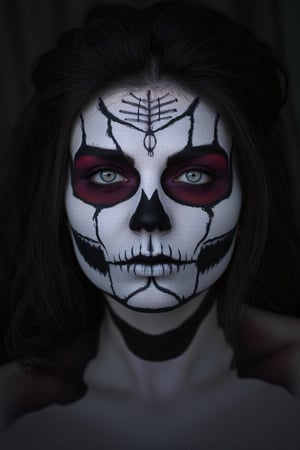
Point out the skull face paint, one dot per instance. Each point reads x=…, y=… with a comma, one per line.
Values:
x=153, y=197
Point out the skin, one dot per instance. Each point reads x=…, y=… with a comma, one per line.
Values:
x=24, y=391
x=271, y=341
x=278, y=346
x=153, y=198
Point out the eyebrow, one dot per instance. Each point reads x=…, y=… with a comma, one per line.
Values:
x=111, y=154
x=120, y=157
x=194, y=151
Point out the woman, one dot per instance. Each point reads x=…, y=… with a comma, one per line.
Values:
x=156, y=184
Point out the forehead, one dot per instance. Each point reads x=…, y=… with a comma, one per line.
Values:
x=133, y=120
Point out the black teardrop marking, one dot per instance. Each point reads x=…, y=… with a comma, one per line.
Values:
x=150, y=215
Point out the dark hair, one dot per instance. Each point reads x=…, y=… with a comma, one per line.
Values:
x=46, y=300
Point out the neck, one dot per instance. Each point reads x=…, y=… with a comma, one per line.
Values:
x=160, y=336
x=116, y=368
x=156, y=323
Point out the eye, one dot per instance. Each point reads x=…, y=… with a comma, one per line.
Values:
x=107, y=176
x=194, y=176
x=98, y=181
x=201, y=181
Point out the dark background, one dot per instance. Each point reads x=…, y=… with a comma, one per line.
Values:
x=30, y=27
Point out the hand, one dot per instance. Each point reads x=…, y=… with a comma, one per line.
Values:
x=272, y=343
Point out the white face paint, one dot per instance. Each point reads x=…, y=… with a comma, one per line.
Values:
x=153, y=198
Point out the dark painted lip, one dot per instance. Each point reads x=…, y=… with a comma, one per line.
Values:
x=152, y=260
x=149, y=260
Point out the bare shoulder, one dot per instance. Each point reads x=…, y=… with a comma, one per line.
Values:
x=244, y=414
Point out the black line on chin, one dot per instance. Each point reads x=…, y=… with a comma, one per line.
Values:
x=138, y=290
x=167, y=291
x=167, y=345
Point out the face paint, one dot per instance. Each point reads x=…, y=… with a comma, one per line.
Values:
x=153, y=198
x=145, y=112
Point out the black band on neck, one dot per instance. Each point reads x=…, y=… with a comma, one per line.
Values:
x=167, y=345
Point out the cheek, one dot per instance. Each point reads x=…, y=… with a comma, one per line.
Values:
x=189, y=223
x=111, y=223
x=227, y=212
x=80, y=215
x=206, y=195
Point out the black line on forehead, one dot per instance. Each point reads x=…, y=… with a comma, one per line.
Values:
x=191, y=129
x=147, y=110
x=189, y=111
x=88, y=149
x=217, y=118
x=190, y=151
x=111, y=135
x=83, y=132
x=83, y=135
x=117, y=155
x=150, y=139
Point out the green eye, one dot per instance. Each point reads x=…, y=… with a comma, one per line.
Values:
x=107, y=177
x=194, y=177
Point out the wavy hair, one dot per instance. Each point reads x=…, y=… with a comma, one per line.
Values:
x=46, y=300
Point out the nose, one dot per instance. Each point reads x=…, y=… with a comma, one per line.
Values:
x=150, y=215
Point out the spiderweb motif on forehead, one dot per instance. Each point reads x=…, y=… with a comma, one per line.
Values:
x=148, y=111
x=142, y=113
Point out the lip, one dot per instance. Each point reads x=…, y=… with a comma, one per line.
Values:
x=152, y=266
x=153, y=270
x=150, y=260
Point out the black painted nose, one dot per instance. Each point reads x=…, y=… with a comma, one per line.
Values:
x=150, y=215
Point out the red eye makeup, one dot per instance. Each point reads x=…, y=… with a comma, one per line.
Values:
x=103, y=182
x=199, y=181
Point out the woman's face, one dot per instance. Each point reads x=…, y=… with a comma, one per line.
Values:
x=153, y=197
